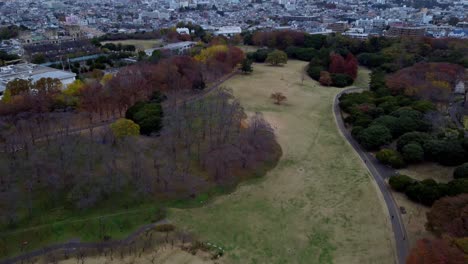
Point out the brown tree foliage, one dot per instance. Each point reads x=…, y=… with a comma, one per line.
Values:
x=449, y=216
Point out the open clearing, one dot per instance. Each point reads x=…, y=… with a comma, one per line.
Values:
x=140, y=44
x=429, y=170
x=318, y=205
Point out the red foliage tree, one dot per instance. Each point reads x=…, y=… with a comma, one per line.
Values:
x=351, y=66
x=435, y=251
x=337, y=63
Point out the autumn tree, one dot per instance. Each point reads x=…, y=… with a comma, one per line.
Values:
x=337, y=63
x=124, y=128
x=448, y=216
x=278, y=98
x=351, y=66
x=276, y=58
x=48, y=85
x=18, y=86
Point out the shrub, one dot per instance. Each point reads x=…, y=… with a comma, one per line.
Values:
x=461, y=171
x=341, y=80
x=356, y=130
x=304, y=54
x=457, y=186
x=425, y=192
x=413, y=137
x=413, y=152
x=400, y=182
x=374, y=136
x=387, y=121
x=148, y=115
x=390, y=157
x=246, y=66
x=389, y=106
x=347, y=101
x=396, y=162
x=260, y=55
x=445, y=152
x=277, y=57
x=124, y=128
x=314, y=72
x=363, y=120
x=376, y=112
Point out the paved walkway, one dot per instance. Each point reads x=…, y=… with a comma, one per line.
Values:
x=380, y=172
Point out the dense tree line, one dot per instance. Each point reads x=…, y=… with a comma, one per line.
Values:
x=421, y=133
x=119, y=47
x=202, y=144
x=427, y=191
x=379, y=53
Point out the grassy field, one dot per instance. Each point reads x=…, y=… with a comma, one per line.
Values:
x=318, y=205
x=140, y=44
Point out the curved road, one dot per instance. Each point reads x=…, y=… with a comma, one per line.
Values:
x=380, y=173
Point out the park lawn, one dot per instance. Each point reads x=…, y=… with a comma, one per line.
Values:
x=140, y=44
x=319, y=205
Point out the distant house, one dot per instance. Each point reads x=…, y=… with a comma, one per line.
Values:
x=33, y=72
x=178, y=48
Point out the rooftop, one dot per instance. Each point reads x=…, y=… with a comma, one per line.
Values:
x=30, y=71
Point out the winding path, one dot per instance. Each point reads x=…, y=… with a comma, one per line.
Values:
x=380, y=173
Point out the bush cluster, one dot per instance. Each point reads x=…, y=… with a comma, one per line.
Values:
x=427, y=191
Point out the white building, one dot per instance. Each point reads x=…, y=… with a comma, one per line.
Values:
x=228, y=31
x=33, y=72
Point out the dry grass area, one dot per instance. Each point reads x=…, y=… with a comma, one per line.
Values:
x=140, y=44
x=429, y=170
x=318, y=205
